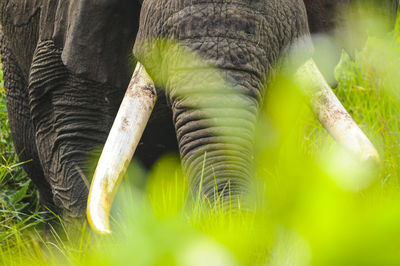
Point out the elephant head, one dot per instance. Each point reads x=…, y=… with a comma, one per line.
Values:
x=208, y=63
x=213, y=61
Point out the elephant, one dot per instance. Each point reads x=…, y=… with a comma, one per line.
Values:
x=67, y=65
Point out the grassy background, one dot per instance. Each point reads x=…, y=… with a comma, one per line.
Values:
x=316, y=204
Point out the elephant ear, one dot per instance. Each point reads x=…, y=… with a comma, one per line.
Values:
x=96, y=37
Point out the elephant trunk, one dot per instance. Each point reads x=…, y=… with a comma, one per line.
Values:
x=216, y=143
x=214, y=112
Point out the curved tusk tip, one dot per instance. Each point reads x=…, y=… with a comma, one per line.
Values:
x=369, y=155
x=98, y=224
x=372, y=158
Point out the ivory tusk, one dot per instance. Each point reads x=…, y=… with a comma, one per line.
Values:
x=331, y=113
x=124, y=136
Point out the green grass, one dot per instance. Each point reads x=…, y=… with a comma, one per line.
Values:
x=316, y=204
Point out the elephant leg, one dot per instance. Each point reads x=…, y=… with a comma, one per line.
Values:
x=71, y=117
x=21, y=125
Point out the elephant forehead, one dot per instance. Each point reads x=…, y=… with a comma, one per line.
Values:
x=228, y=21
x=242, y=35
x=250, y=20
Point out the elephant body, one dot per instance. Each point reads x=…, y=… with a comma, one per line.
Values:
x=67, y=64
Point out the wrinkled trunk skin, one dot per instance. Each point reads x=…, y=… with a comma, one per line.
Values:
x=215, y=120
x=215, y=141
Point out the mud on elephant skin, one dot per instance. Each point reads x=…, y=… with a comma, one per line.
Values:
x=67, y=67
